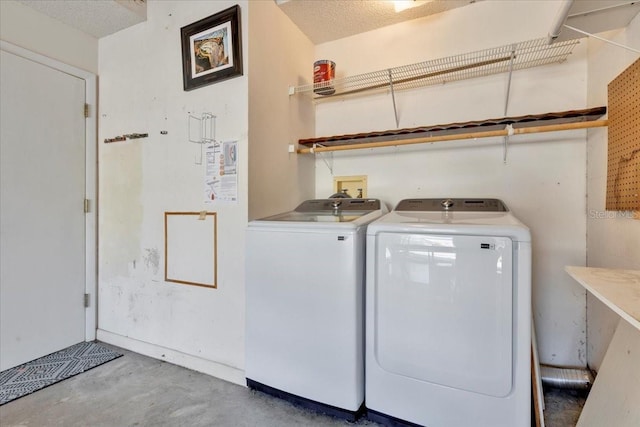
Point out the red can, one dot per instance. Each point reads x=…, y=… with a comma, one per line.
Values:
x=324, y=71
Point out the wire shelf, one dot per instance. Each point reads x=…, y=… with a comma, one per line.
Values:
x=502, y=59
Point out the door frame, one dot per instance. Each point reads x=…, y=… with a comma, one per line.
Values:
x=91, y=187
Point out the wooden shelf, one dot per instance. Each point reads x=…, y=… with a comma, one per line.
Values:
x=613, y=398
x=617, y=289
x=508, y=131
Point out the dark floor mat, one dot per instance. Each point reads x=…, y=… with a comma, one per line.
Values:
x=35, y=375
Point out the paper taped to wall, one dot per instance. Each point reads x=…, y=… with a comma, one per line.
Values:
x=221, y=172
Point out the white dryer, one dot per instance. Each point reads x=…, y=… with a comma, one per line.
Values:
x=448, y=312
x=305, y=304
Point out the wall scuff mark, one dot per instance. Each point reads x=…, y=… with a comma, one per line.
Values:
x=152, y=259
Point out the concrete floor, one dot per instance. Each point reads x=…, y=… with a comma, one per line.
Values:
x=136, y=390
x=563, y=407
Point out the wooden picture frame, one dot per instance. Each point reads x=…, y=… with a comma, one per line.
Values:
x=212, y=49
x=190, y=248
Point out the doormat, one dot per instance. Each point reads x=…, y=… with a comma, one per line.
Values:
x=40, y=373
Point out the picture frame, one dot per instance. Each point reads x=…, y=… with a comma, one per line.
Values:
x=212, y=49
x=191, y=248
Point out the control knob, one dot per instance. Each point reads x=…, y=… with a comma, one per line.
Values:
x=447, y=203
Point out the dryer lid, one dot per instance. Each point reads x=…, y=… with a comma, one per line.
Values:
x=449, y=205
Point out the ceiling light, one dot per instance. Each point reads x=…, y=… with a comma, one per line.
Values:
x=400, y=5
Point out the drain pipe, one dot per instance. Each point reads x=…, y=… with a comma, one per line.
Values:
x=566, y=378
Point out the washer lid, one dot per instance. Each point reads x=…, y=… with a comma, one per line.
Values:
x=449, y=205
x=357, y=211
x=337, y=216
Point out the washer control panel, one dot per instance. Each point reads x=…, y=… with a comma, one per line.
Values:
x=448, y=205
x=342, y=204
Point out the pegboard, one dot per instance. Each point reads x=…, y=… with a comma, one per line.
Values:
x=623, y=154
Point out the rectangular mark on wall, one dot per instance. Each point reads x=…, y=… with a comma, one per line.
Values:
x=190, y=248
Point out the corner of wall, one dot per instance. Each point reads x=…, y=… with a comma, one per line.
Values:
x=278, y=180
x=611, y=236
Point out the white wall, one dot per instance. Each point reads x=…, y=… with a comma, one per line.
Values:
x=141, y=91
x=613, y=238
x=544, y=179
x=278, y=180
x=29, y=29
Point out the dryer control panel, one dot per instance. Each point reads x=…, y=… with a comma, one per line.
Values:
x=465, y=205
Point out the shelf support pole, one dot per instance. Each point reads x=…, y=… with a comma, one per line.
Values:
x=506, y=104
x=601, y=38
x=393, y=98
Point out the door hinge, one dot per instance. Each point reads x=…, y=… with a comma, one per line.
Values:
x=87, y=299
x=86, y=110
x=86, y=205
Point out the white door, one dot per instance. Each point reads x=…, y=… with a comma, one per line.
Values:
x=42, y=226
x=443, y=310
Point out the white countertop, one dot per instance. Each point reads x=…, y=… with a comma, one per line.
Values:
x=617, y=289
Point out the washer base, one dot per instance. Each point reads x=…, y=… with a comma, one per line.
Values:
x=388, y=420
x=345, y=414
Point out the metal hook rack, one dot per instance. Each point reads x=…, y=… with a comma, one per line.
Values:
x=205, y=128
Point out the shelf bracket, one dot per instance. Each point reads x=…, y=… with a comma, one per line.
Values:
x=393, y=98
x=505, y=142
x=322, y=156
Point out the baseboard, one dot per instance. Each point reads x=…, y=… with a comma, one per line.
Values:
x=209, y=367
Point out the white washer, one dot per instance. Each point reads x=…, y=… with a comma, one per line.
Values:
x=448, y=309
x=305, y=304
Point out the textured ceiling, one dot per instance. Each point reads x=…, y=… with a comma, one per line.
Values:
x=98, y=18
x=328, y=20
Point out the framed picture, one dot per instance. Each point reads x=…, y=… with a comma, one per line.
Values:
x=212, y=49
